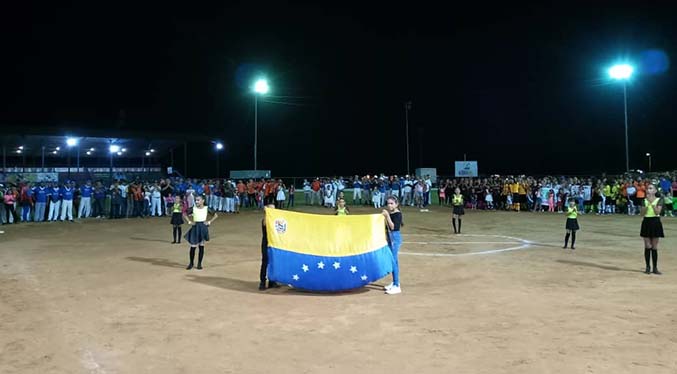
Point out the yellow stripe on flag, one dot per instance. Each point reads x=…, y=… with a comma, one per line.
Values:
x=325, y=235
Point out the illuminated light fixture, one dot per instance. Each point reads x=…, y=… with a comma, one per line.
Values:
x=124, y=149
x=623, y=71
x=18, y=151
x=91, y=149
x=89, y=153
x=147, y=153
x=58, y=148
x=119, y=153
x=21, y=147
x=261, y=87
x=114, y=148
x=55, y=152
x=71, y=142
x=219, y=146
x=152, y=151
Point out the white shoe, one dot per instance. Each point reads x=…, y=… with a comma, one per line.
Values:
x=386, y=288
x=394, y=290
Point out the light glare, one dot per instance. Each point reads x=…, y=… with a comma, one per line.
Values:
x=623, y=71
x=71, y=142
x=114, y=148
x=261, y=86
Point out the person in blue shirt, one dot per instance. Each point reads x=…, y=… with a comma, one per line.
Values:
x=666, y=185
x=382, y=190
x=85, y=209
x=40, y=194
x=395, y=187
x=54, y=201
x=357, y=191
x=67, y=192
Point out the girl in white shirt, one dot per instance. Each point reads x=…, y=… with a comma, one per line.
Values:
x=199, y=230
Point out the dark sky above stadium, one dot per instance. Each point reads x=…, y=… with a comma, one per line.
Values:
x=521, y=89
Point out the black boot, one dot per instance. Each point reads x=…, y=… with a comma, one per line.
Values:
x=453, y=222
x=262, y=286
x=654, y=255
x=200, y=256
x=459, y=225
x=192, y=258
x=573, y=239
x=566, y=240
x=174, y=234
x=647, y=259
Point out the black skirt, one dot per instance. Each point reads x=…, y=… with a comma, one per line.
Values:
x=458, y=210
x=572, y=224
x=177, y=219
x=651, y=228
x=197, y=234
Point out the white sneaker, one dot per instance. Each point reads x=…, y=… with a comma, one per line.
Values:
x=394, y=290
x=386, y=288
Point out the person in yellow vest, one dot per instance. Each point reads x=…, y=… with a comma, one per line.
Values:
x=199, y=231
x=458, y=211
x=572, y=224
x=341, y=208
x=178, y=210
x=652, y=228
x=522, y=192
x=514, y=189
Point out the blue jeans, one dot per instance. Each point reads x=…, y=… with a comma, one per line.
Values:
x=395, y=243
x=25, y=213
x=581, y=207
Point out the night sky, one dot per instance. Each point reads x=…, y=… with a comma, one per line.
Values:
x=521, y=89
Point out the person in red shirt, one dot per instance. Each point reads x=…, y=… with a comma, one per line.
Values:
x=241, y=192
x=251, y=193
x=315, y=186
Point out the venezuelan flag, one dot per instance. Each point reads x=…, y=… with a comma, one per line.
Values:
x=326, y=253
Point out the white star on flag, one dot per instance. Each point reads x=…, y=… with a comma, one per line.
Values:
x=353, y=269
x=337, y=265
x=296, y=277
x=320, y=265
x=364, y=277
x=305, y=268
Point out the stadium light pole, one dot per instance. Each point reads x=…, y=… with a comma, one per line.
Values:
x=407, y=108
x=218, y=146
x=649, y=156
x=260, y=88
x=623, y=73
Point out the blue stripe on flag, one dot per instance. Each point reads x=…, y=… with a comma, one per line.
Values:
x=323, y=273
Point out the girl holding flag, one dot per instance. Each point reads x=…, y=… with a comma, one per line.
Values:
x=393, y=217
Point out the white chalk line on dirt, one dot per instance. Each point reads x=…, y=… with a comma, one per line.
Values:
x=524, y=245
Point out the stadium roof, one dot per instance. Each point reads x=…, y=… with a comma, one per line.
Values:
x=29, y=140
x=31, y=145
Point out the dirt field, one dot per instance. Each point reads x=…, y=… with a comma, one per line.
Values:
x=114, y=297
